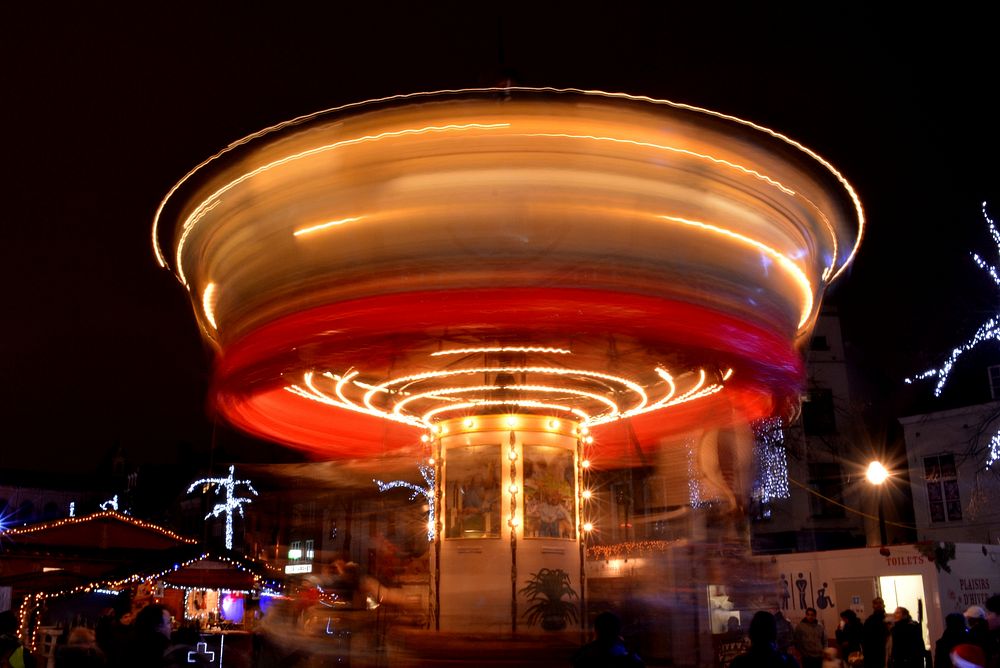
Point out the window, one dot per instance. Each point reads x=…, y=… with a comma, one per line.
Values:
x=817, y=413
x=826, y=479
x=993, y=373
x=295, y=550
x=942, y=488
x=310, y=552
x=819, y=343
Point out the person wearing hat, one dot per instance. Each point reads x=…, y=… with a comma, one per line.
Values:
x=979, y=630
x=955, y=633
x=992, y=606
x=968, y=656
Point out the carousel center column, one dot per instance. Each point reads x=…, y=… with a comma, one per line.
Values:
x=509, y=560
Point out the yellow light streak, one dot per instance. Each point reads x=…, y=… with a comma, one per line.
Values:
x=208, y=300
x=503, y=349
x=524, y=403
x=557, y=371
x=784, y=262
x=856, y=201
x=672, y=149
x=212, y=200
x=400, y=406
x=324, y=226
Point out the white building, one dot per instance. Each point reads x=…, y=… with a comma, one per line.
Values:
x=826, y=450
x=955, y=498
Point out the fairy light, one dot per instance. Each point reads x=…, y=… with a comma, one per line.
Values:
x=993, y=451
x=36, y=601
x=24, y=531
x=427, y=492
x=232, y=503
x=770, y=462
x=988, y=331
x=586, y=494
x=325, y=226
x=695, y=494
x=628, y=548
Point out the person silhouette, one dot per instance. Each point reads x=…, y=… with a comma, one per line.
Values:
x=785, y=593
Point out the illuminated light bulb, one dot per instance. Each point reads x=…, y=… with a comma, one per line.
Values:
x=513, y=489
x=425, y=438
x=513, y=522
x=430, y=527
x=584, y=429
x=436, y=429
x=727, y=375
x=587, y=494
x=510, y=421
x=588, y=440
x=588, y=527
x=512, y=454
x=553, y=424
x=876, y=473
x=431, y=461
x=469, y=424
x=585, y=463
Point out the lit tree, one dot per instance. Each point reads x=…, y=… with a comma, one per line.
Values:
x=989, y=330
x=427, y=492
x=232, y=502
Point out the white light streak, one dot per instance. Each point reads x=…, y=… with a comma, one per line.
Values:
x=503, y=349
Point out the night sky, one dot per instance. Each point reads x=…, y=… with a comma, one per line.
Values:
x=106, y=106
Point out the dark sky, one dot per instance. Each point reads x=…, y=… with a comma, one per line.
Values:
x=107, y=105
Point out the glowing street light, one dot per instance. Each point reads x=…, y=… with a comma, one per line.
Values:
x=877, y=474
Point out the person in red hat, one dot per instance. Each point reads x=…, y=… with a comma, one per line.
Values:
x=968, y=656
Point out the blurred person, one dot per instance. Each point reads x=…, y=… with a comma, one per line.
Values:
x=849, y=634
x=809, y=640
x=831, y=659
x=908, y=649
x=968, y=656
x=783, y=640
x=874, y=635
x=979, y=629
x=150, y=636
x=12, y=652
x=955, y=633
x=992, y=606
x=607, y=650
x=764, y=651
x=80, y=650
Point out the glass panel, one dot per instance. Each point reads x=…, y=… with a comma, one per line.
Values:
x=549, y=492
x=954, y=510
x=951, y=490
x=931, y=469
x=937, y=512
x=934, y=493
x=947, y=466
x=472, y=492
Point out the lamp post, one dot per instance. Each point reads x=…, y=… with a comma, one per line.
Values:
x=877, y=475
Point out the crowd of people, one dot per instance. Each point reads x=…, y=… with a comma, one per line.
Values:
x=971, y=640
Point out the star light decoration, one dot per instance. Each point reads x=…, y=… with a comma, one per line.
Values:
x=427, y=492
x=989, y=330
x=232, y=503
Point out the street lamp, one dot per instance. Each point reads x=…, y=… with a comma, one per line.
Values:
x=877, y=475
